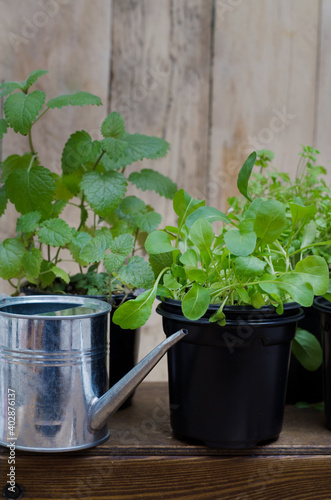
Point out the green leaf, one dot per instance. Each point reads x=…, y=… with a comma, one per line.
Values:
x=54, y=232
x=195, y=303
x=244, y=175
x=210, y=214
x=3, y=200
x=104, y=192
x=158, y=242
x=253, y=208
x=78, y=242
x=95, y=248
x=316, y=272
x=301, y=213
x=31, y=189
x=142, y=146
x=218, y=317
x=122, y=245
x=257, y=300
x=67, y=186
x=249, y=266
x=11, y=256
x=184, y=205
x=189, y=258
x=113, y=126
x=3, y=127
x=112, y=262
x=195, y=274
x=13, y=162
x=32, y=78
x=137, y=273
x=307, y=349
x=113, y=147
x=298, y=289
x=308, y=234
x=170, y=281
x=29, y=222
x=240, y=243
x=22, y=109
x=130, y=206
x=159, y=262
x=31, y=262
x=134, y=313
x=148, y=222
x=7, y=88
x=270, y=221
x=60, y=273
x=154, y=181
x=243, y=294
x=78, y=150
x=78, y=99
x=202, y=235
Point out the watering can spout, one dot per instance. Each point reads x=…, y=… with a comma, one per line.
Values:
x=107, y=404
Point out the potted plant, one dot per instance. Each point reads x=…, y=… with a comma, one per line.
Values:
x=239, y=296
x=112, y=227
x=308, y=188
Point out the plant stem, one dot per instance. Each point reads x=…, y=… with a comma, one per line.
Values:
x=33, y=152
x=98, y=159
x=42, y=114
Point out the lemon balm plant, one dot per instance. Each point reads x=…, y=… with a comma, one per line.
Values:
x=94, y=182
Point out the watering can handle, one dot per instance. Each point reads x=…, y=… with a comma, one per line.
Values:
x=107, y=404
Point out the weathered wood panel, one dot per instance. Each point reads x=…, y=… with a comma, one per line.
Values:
x=264, y=84
x=160, y=83
x=73, y=41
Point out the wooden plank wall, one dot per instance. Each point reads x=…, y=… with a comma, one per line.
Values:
x=216, y=78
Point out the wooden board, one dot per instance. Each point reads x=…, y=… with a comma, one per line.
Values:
x=143, y=460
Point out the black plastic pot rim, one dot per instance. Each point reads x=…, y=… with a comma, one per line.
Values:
x=322, y=304
x=280, y=319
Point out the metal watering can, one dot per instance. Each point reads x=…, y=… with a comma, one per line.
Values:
x=54, y=370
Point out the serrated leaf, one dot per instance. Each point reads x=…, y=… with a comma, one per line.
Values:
x=113, y=147
x=55, y=232
x=141, y=146
x=113, y=126
x=122, y=245
x=3, y=200
x=31, y=189
x=57, y=207
x=29, y=222
x=95, y=248
x=32, y=262
x=11, y=255
x=13, y=162
x=148, y=222
x=22, y=109
x=307, y=349
x=78, y=150
x=316, y=272
x=68, y=186
x=112, y=262
x=104, y=192
x=33, y=77
x=154, y=181
x=195, y=302
x=3, y=127
x=78, y=242
x=7, y=88
x=137, y=273
x=77, y=99
x=60, y=273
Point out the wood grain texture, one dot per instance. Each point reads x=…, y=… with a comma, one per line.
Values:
x=154, y=465
x=160, y=84
x=264, y=86
x=73, y=41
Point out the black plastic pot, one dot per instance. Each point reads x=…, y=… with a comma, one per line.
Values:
x=324, y=308
x=302, y=384
x=227, y=384
x=123, y=344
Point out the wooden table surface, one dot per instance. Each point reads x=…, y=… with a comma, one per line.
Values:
x=142, y=460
